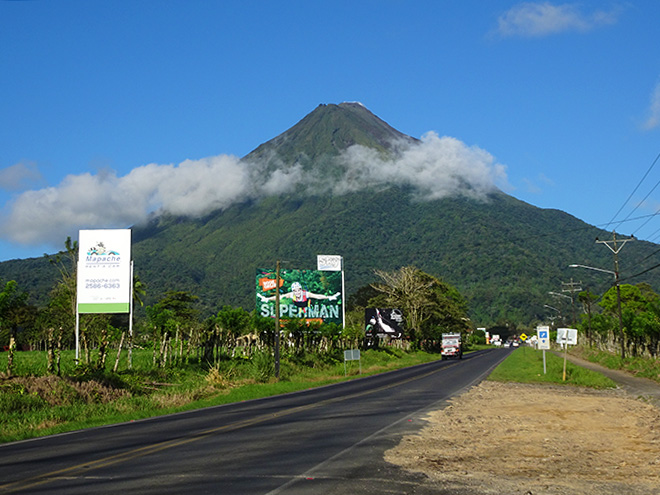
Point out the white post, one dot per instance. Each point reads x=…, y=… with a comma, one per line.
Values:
x=544, y=370
x=343, y=296
x=130, y=322
x=77, y=336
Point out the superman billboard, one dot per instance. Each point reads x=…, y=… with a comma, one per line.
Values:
x=313, y=295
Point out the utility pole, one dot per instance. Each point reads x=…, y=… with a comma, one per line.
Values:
x=615, y=248
x=557, y=294
x=571, y=287
x=277, y=320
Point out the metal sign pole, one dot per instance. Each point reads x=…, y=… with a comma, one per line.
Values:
x=77, y=336
x=343, y=297
x=130, y=322
x=565, y=354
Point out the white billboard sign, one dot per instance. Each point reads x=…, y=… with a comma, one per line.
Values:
x=328, y=263
x=567, y=336
x=104, y=271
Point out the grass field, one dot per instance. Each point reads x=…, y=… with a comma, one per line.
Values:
x=525, y=365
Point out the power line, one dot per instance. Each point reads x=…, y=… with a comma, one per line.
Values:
x=640, y=273
x=634, y=191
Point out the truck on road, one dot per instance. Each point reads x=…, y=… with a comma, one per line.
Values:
x=452, y=346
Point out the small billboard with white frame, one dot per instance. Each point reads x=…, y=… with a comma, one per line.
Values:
x=104, y=271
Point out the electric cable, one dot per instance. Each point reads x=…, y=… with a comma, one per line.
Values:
x=634, y=191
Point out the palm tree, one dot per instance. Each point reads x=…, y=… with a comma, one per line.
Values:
x=139, y=290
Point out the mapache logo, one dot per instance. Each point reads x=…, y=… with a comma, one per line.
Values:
x=99, y=254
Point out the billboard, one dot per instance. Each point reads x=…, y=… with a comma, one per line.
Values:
x=380, y=322
x=329, y=262
x=104, y=271
x=313, y=295
x=567, y=336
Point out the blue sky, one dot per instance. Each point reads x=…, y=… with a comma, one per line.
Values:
x=103, y=103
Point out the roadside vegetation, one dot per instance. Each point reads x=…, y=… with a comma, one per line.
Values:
x=635, y=334
x=525, y=365
x=38, y=405
x=639, y=366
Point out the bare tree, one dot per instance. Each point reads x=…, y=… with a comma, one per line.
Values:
x=410, y=291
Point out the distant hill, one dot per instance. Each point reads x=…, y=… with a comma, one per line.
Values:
x=503, y=254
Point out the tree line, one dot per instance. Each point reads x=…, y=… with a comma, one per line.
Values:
x=634, y=331
x=173, y=331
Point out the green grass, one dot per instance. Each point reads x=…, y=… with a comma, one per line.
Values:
x=33, y=405
x=525, y=365
x=638, y=366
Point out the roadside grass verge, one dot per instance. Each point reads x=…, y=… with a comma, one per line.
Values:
x=33, y=404
x=525, y=365
x=638, y=366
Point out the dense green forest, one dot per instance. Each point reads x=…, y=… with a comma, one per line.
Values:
x=504, y=256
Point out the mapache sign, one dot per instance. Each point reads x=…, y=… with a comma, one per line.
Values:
x=104, y=271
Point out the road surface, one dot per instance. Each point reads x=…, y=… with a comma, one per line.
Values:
x=325, y=440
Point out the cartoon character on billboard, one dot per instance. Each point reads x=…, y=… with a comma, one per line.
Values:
x=300, y=297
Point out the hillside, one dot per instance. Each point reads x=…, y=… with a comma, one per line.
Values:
x=503, y=254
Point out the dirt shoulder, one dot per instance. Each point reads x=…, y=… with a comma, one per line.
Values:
x=507, y=438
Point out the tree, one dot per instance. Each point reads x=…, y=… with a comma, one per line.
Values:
x=430, y=305
x=407, y=290
x=231, y=323
x=62, y=306
x=172, y=315
x=139, y=290
x=66, y=263
x=640, y=308
x=13, y=305
x=181, y=303
x=588, y=299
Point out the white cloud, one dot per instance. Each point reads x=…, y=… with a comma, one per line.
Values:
x=654, y=110
x=532, y=19
x=436, y=167
x=105, y=200
x=19, y=176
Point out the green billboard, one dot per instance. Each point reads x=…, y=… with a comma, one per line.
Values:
x=313, y=295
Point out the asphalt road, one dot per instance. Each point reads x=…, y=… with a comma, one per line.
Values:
x=327, y=440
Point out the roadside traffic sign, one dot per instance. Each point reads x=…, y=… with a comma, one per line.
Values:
x=543, y=335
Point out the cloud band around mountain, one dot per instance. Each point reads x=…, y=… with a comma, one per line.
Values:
x=437, y=167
